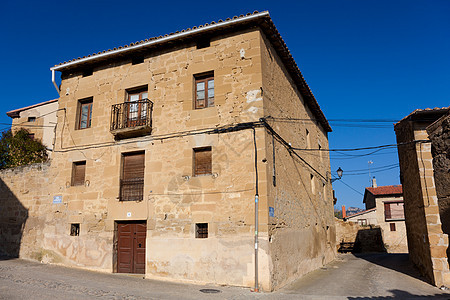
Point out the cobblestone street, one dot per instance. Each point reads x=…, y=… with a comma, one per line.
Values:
x=368, y=276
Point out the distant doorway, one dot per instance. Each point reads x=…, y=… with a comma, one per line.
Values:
x=131, y=237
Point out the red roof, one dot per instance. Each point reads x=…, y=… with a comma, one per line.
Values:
x=386, y=190
x=15, y=113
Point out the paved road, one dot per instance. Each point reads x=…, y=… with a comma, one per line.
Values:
x=371, y=276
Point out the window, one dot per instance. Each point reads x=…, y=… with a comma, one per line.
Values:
x=313, y=186
x=204, y=91
x=137, y=107
x=31, y=119
x=84, y=113
x=308, y=139
x=203, y=43
x=201, y=230
x=202, y=161
x=78, y=173
x=362, y=222
x=320, y=150
x=31, y=136
x=75, y=229
x=132, y=182
x=392, y=225
x=393, y=211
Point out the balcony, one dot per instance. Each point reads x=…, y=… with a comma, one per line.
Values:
x=131, y=119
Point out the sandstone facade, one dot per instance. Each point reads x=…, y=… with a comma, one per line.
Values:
x=427, y=243
x=251, y=81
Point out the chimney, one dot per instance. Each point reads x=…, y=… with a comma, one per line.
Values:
x=374, y=182
x=344, y=213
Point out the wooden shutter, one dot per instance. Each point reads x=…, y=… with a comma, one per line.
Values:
x=133, y=166
x=202, y=161
x=78, y=173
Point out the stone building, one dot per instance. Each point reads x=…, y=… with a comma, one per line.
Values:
x=39, y=119
x=161, y=147
x=388, y=204
x=427, y=243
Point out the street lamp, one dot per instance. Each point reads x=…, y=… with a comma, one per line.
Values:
x=339, y=173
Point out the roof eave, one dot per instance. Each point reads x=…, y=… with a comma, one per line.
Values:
x=161, y=40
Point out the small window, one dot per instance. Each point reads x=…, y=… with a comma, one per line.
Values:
x=308, y=139
x=202, y=161
x=75, y=229
x=31, y=136
x=85, y=113
x=201, y=230
x=138, y=59
x=132, y=181
x=204, y=90
x=31, y=119
x=320, y=150
x=78, y=173
x=88, y=72
x=392, y=226
x=313, y=185
x=203, y=43
x=362, y=222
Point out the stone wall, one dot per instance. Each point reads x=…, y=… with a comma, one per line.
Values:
x=439, y=133
x=365, y=238
x=299, y=239
x=427, y=244
x=302, y=230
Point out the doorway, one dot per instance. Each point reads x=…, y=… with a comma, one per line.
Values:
x=131, y=236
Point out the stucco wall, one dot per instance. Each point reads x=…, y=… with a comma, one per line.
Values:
x=302, y=231
x=394, y=241
x=44, y=126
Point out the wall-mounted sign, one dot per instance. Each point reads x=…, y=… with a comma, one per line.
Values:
x=57, y=199
x=271, y=212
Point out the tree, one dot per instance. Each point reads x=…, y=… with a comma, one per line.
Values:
x=19, y=149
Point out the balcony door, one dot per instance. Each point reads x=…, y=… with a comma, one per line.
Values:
x=137, y=108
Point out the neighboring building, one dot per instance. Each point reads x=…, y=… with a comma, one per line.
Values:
x=39, y=119
x=388, y=202
x=364, y=218
x=154, y=163
x=427, y=243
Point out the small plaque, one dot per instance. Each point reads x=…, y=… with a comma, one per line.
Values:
x=271, y=212
x=57, y=199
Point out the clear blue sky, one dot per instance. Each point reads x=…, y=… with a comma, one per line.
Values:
x=362, y=59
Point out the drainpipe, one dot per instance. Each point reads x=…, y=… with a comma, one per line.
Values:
x=54, y=82
x=256, y=212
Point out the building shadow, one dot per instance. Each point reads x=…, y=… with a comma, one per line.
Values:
x=395, y=261
x=13, y=216
x=399, y=294
x=369, y=240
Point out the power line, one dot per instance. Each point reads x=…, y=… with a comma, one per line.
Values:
x=355, y=190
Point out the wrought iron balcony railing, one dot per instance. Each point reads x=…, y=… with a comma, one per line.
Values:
x=131, y=117
x=132, y=189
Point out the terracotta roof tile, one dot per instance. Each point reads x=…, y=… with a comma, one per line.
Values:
x=385, y=190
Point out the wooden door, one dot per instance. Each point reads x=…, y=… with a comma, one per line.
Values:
x=131, y=247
